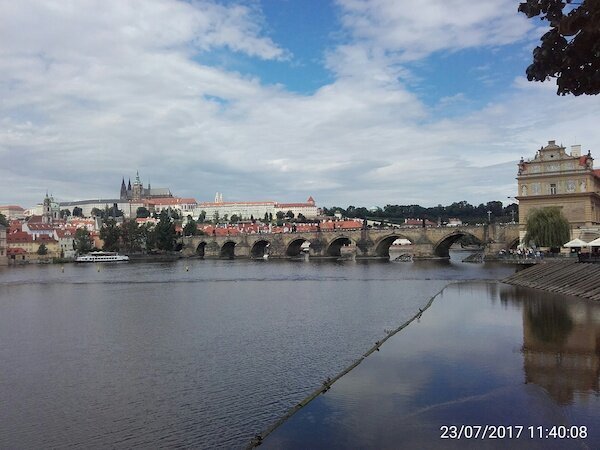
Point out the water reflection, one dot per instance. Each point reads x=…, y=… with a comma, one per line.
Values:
x=561, y=343
x=484, y=353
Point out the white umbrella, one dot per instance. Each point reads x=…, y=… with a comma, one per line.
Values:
x=594, y=243
x=579, y=243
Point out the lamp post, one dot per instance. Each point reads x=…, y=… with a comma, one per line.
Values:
x=489, y=213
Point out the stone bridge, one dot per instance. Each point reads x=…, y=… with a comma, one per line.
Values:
x=426, y=243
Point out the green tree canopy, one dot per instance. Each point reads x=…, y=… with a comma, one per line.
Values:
x=570, y=51
x=77, y=212
x=110, y=233
x=42, y=249
x=82, y=241
x=547, y=227
x=131, y=236
x=165, y=232
x=191, y=228
x=3, y=220
x=142, y=212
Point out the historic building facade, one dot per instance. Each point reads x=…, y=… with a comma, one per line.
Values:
x=138, y=192
x=566, y=180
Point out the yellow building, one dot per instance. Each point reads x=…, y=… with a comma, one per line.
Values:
x=555, y=178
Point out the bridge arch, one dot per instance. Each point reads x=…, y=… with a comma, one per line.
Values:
x=442, y=247
x=200, y=249
x=335, y=246
x=382, y=247
x=294, y=248
x=227, y=250
x=260, y=248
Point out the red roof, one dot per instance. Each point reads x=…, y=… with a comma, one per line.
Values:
x=12, y=207
x=15, y=251
x=19, y=237
x=171, y=201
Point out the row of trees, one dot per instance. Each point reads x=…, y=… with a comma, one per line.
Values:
x=462, y=210
x=130, y=237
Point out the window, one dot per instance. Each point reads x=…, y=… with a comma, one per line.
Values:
x=552, y=189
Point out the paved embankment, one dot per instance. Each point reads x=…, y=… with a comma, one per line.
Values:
x=564, y=277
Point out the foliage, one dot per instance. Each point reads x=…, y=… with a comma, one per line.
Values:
x=148, y=236
x=570, y=51
x=82, y=241
x=132, y=238
x=3, y=220
x=77, y=212
x=289, y=214
x=202, y=216
x=142, y=213
x=110, y=233
x=96, y=212
x=191, y=228
x=234, y=218
x=42, y=249
x=64, y=213
x=547, y=227
x=165, y=232
x=462, y=210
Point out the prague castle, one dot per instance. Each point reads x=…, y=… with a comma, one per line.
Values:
x=138, y=192
x=556, y=178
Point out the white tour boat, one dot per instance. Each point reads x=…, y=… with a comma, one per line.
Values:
x=102, y=257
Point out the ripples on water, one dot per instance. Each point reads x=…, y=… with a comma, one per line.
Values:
x=147, y=355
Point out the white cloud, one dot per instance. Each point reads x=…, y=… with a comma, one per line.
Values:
x=91, y=92
x=416, y=30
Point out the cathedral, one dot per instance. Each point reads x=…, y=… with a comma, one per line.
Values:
x=138, y=192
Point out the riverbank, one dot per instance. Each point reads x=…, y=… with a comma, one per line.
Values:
x=481, y=354
x=563, y=277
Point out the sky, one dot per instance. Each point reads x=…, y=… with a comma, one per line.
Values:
x=354, y=102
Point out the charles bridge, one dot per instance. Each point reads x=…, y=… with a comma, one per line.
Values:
x=426, y=243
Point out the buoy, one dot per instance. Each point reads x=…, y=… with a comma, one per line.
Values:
x=187, y=268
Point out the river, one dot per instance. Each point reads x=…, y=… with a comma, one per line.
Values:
x=192, y=353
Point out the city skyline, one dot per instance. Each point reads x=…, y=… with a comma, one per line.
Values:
x=370, y=101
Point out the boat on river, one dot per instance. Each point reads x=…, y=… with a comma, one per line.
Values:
x=102, y=257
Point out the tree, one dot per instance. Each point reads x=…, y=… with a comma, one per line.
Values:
x=266, y=218
x=131, y=236
x=234, y=218
x=110, y=233
x=165, y=232
x=148, y=236
x=547, y=227
x=96, y=212
x=3, y=220
x=77, y=212
x=42, y=249
x=570, y=51
x=64, y=213
x=191, y=228
x=289, y=214
x=142, y=213
x=202, y=216
x=280, y=215
x=82, y=241
x=216, y=217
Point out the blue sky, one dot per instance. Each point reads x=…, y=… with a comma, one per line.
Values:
x=350, y=101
